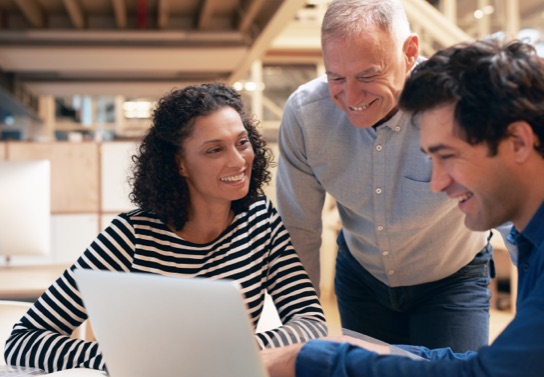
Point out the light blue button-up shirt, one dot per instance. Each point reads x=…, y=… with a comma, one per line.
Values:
x=400, y=231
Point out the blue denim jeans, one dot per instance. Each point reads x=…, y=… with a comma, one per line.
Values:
x=452, y=312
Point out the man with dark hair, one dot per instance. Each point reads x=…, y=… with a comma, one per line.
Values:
x=481, y=110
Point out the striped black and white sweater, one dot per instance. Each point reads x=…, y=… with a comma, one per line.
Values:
x=255, y=250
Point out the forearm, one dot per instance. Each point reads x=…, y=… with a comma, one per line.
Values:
x=42, y=339
x=321, y=358
x=292, y=293
x=296, y=301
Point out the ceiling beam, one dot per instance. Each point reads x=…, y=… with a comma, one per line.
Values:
x=119, y=60
x=436, y=25
x=153, y=90
x=32, y=12
x=138, y=38
x=248, y=13
x=283, y=15
x=76, y=14
x=205, y=14
x=120, y=11
x=163, y=14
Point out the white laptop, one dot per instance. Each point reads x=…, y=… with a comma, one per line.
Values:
x=150, y=325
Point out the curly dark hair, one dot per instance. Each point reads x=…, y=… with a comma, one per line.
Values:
x=157, y=185
x=492, y=84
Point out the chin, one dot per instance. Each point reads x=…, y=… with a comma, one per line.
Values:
x=479, y=226
x=357, y=123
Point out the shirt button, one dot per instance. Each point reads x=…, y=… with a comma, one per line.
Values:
x=380, y=227
x=397, y=128
x=385, y=253
x=525, y=267
x=378, y=148
x=378, y=191
x=390, y=272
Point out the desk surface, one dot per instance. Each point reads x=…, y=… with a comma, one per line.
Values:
x=27, y=282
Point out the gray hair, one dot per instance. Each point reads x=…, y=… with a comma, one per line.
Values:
x=346, y=19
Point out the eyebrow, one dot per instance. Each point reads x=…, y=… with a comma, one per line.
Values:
x=436, y=148
x=243, y=133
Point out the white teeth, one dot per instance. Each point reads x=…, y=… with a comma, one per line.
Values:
x=233, y=178
x=464, y=197
x=358, y=108
x=364, y=107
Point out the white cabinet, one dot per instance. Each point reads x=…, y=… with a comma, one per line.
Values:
x=115, y=163
x=71, y=235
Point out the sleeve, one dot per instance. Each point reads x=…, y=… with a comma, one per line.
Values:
x=319, y=358
x=300, y=196
x=42, y=337
x=292, y=292
x=437, y=354
x=517, y=351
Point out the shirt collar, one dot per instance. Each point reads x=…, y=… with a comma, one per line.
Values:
x=533, y=232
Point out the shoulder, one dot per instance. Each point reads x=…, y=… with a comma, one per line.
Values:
x=261, y=210
x=315, y=90
x=262, y=203
x=138, y=218
x=311, y=107
x=137, y=214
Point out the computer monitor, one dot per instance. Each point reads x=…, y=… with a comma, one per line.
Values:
x=25, y=208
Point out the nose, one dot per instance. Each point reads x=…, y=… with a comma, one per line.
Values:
x=440, y=179
x=353, y=92
x=236, y=158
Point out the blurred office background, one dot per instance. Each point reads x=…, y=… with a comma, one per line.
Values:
x=95, y=67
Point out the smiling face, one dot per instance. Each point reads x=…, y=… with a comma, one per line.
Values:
x=484, y=185
x=217, y=158
x=366, y=74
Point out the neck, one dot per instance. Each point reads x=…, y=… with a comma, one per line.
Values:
x=204, y=227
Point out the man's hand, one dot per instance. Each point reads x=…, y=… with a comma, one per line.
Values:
x=280, y=362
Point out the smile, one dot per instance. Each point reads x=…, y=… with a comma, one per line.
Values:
x=361, y=108
x=233, y=178
x=463, y=198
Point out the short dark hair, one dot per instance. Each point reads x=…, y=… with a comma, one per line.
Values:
x=157, y=185
x=492, y=84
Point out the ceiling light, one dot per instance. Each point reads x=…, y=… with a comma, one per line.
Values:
x=488, y=9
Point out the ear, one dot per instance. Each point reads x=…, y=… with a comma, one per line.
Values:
x=181, y=167
x=522, y=140
x=411, y=51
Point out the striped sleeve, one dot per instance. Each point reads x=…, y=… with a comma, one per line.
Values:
x=291, y=290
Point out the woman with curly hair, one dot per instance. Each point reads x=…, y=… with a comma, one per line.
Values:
x=197, y=181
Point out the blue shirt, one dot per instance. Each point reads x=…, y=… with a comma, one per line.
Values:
x=517, y=352
x=395, y=227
